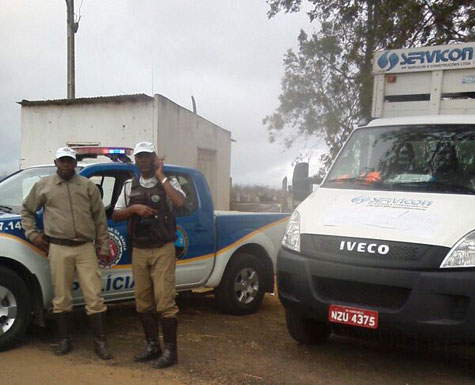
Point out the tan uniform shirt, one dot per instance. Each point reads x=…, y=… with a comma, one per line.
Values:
x=72, y=210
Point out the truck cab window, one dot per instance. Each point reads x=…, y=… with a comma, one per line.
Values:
x=191, y=202
x=105, y=184
x=110, y=186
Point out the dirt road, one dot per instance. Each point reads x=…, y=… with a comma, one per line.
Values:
x=221, y=349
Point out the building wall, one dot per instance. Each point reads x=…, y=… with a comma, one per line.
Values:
x=45, y=128
x=183, y=137
x=189, y=140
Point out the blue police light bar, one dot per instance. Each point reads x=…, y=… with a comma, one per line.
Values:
x=117, y=150
x=114, y=153
x=92, y=150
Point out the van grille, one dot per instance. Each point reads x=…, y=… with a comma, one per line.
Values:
x=357, y=293
x=401, y=254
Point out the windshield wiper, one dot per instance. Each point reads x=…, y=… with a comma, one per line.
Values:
x=448, y=187
x=340, y=180
x=343, y=180
x=363, y=180
x=7, y=209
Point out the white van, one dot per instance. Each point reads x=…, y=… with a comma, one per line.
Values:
x=387, y=242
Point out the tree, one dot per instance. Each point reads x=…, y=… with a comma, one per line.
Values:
x=327, y=84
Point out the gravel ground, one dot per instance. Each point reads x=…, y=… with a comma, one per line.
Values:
x=220, y=349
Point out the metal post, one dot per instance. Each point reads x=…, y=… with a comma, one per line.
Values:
x=71, y=29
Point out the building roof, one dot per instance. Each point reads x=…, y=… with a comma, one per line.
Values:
x=92, y=100
x=107, y=99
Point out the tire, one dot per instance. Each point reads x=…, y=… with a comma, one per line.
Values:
x=304, y=330
x=15, y=308
x=242, y=287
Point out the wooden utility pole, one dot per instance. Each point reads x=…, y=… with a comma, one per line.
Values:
x=72, y=28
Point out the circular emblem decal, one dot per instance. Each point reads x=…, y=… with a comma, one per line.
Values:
x=117, y=247
x=155, y=198
x=181, y=243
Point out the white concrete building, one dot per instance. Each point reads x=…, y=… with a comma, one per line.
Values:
x=180, y=135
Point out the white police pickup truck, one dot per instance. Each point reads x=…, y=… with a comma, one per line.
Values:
x=234, y=253
x=386, y=244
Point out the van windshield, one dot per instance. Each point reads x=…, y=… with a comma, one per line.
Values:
x=438, y=158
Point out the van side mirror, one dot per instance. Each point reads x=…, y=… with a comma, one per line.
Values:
x=316, y=179
x=301, y=183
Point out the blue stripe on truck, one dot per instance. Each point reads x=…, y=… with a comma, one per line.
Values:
x=232, y=228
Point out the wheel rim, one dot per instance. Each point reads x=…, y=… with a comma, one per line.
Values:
x=246, y=285
x=8, y=309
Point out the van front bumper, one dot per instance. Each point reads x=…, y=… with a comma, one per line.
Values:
x=437, y=303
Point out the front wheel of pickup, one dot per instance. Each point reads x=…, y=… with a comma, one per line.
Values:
x=242, y=287
x=305, y=330
x=15, y=308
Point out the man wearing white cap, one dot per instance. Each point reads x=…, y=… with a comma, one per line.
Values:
x=75, y=229
x=146, y=202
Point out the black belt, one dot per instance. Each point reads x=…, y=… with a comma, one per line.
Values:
x=66, y=242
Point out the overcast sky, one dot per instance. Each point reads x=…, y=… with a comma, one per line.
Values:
x=225, y=53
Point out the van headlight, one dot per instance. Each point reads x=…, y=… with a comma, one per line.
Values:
x=462, y=254
x=292, y=233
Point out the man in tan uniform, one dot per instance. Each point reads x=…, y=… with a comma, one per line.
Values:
x=146, y=202
x=75, y=229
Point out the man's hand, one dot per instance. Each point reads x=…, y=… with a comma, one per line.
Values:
x=136, y=209
x=41, y=243
x=143, y=210
x=105, y=258
x=159, y=168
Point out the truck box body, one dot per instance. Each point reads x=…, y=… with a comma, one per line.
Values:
x=387, y=242
x=180, y=135
x=424, y=81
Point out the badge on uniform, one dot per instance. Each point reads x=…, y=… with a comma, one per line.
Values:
x=155, y=198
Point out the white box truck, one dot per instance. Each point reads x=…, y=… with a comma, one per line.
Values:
x=386, y=243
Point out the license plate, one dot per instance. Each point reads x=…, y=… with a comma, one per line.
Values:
x=353, y=316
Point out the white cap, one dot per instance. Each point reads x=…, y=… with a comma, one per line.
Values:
x=65, y=151
x=144, y=147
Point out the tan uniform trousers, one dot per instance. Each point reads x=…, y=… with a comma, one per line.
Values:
x=154, y=279
x=63, y=261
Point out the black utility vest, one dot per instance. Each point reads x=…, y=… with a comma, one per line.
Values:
x=155, y=231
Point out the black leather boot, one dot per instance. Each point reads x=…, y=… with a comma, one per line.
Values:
x=97, y=322
x=169, y=356
x=65, y=341
x=150, y=328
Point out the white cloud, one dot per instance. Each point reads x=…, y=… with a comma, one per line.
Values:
x=225, y=53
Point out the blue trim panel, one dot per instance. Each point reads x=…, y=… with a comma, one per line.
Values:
x=231, y=228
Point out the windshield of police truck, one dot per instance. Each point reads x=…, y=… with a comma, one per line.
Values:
x=16, y=187
x=435, y=158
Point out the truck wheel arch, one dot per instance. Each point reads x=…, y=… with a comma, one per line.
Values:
x=259, y=252
x=248, y=275
x=32, y=284
x=241, y=289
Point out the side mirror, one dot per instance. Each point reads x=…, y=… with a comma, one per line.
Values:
x=316, y=179
x=301, y=183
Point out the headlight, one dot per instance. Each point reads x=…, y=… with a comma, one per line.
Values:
x=292, y=233
x=462, y=254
